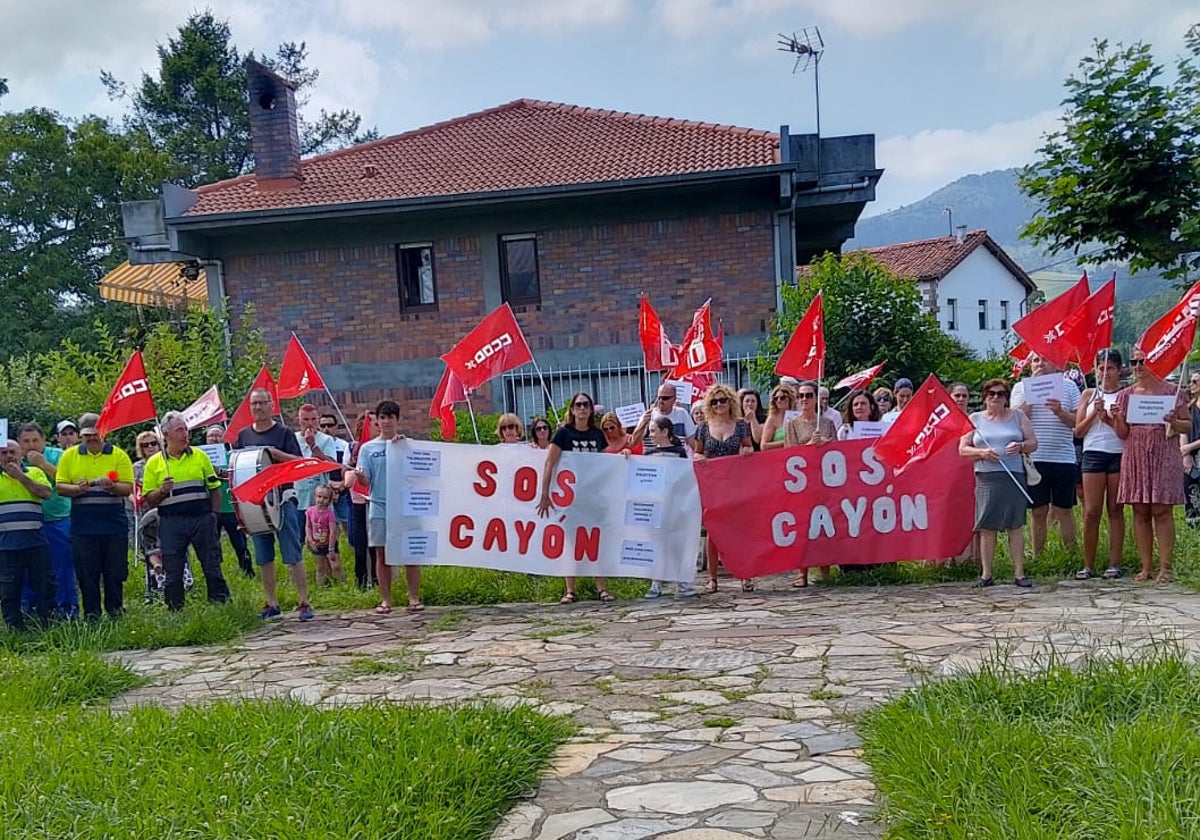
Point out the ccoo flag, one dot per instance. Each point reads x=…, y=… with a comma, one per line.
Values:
x=130, y=401
x=930, y=421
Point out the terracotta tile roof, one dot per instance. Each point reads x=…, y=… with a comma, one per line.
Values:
x=926, y=259
x=524, y=144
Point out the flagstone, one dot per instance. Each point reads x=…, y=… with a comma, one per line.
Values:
x=679, y=797
x=631, y=829
x=558, y=826
x=697, y=698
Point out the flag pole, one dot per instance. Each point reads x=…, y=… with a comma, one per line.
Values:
x=545, y=390
x=471, y=411
x=1003, y=465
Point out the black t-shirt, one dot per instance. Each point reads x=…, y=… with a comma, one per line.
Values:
x=676, y=450
x=279, y=436
x=570, y=439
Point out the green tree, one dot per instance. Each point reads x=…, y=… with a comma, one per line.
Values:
x=1121, y=177
x=870, y=315
x=61, y=186
x=195, y=107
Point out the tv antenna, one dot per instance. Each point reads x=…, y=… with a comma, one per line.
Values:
x=808, y=47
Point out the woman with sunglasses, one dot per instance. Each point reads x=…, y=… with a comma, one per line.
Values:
x=753, y=413
x=783, y=400
x=808, y=428
x=579, y=434
x=1000, y=437
x=722, y=433
x=1101, y=466
x=540, y=433
x=1150, y=472
x=884, y=399
x=510, y=429
x=615, y=437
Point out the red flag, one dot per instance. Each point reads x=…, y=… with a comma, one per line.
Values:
x=701, y=349
x=130, y=401
x=242, y=417
x=449, y=391
x=1042, y=329
x=1089, y=330
x=1169, y=339
x=254, y=490
x=298, y=374
x=860, y=379
x=495, y=346
x=804, y=355
x=207, y=409
x=658, y=353
x=1020, y=354
x=367, y=433
x=930, y=421
x=717, y=365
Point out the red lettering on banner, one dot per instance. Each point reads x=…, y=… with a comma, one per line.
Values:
x=806, y=505
x=494, y=536
x=587, y=544
x=524, y=529
x=554, y=540
x=565, y=494
x=458, y=525
x=525, y=484
x=486, y=486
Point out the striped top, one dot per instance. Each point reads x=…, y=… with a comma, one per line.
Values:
x=20, y=512
x=1056, y=439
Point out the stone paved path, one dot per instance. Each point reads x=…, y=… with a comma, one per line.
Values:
x=717, y=718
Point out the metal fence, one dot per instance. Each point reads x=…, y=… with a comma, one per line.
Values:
x=610, y=385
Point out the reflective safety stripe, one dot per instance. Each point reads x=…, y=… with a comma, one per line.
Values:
x=185, y=491
x=98, y=499
x=20, y=516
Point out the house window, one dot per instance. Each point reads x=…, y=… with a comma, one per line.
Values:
x=519, y=282
x=418, y=283
x=952, y=322
x=1003, y=314
x=983, y=315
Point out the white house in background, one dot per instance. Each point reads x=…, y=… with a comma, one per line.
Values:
x=973, y=289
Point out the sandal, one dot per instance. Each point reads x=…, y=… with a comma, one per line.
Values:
x=417, y=607
x=1142, y=576
x=383, y=609
x=747, y=585
x=605, y=596
x=1164, y=577
x=711, y=586
x=800, y=583
x=569, y=598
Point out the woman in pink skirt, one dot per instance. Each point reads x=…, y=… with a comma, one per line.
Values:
x=1150, y=473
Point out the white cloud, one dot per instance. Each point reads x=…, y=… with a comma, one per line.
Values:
x=917, y=164
x=451, y=23
x=351, y=73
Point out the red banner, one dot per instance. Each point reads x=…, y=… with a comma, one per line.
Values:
x=255, y=490
x=130, y=401
x=298, y=374
x=206, y=409
x=242, y=417
x=1042, y=329
x=811, y=506
x=804, y=355
x=495, y=346
x=1169, y=339
x=658, y=353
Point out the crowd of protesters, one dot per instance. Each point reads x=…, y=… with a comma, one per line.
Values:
x=71, y=511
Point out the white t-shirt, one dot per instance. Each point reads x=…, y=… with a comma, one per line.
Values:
x=835, y=416
x=681, y=419
x=1056, y=440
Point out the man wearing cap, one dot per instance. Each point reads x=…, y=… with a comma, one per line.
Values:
x=56, y=514
x=97, y=476
x=66, y=434
x=23, y=550
x=180, y=481
x=903, y=391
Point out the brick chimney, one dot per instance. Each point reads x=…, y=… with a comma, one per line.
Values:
x=274, y=132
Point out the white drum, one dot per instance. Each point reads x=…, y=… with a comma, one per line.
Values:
x=244, y=464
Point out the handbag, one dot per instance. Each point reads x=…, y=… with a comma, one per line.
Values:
x=1032, y=476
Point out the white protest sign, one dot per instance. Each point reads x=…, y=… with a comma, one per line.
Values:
x=4, y=429
x=1038, y=389
x=218, y=453
x=683, y=391
x=462, y=505
x=865, y=429
x=1147, y=409
x=630, y=415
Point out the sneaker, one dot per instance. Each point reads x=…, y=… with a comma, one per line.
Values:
x=982, y=583
x=655, y=591
x=305, y=612
x=1084, y=574
x=685, y=589
x=1113, y=573
x=1023, y=582
x=269, y=613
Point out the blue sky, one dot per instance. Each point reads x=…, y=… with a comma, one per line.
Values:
x=948, y=87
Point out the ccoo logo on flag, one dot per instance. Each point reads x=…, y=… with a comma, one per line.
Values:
x=488, y=350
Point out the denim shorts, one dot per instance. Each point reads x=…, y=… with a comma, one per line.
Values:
x=291, y=539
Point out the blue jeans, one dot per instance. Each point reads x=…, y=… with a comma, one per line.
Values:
x=341, y=508
x=291, y=538
x=66, y=595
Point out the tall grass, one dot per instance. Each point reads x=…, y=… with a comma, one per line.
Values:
x=270, y=770
x=57, y=680
x=1111, y=750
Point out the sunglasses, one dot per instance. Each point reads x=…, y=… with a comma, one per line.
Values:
x=609, y=428
x=541, y=428
x=883, y=399
x=581, y=405
x=329, y=425
x=150, y=444
x=807, y=395
x=996, y=393
x=664, y=399
x=508, y=426
x=1137, y=362
x=780, y=398
x=721, y=401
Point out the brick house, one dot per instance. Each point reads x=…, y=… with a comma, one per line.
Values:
x=970, y=286
x=382, y=255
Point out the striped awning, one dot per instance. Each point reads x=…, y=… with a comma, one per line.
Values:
x=153, y=285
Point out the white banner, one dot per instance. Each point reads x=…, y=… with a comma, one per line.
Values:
x=453, y=504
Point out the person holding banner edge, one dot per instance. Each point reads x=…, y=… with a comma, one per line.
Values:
x=1000, y=437
x=581, y=434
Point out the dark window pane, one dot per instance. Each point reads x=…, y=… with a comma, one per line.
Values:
x=418, y=285
x=521, y=271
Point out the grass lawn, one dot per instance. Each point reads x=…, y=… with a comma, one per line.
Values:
x=253, y=769
x=1111, y=750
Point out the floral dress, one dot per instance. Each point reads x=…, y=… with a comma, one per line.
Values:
x=1151, y=472
x=718, y=448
